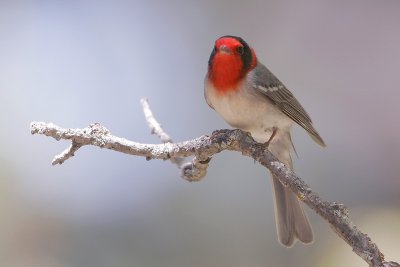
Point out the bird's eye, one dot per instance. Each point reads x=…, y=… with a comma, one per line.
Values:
x=240, y=50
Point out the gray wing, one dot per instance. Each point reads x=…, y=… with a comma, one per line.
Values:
x=266, y=83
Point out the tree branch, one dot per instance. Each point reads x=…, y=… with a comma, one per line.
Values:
x=191, y=171
x=203, y=148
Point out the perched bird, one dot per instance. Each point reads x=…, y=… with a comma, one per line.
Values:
x=249, y=97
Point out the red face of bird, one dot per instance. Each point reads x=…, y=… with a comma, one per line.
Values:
x=229, y=46
x=230, y=61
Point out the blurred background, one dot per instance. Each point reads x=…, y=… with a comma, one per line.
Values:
x=78, y=62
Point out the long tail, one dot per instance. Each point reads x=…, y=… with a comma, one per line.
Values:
x=291, y=221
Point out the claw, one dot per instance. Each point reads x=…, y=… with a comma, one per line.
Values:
x=274, y=131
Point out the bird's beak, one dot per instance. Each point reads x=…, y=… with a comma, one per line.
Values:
x=224, y=49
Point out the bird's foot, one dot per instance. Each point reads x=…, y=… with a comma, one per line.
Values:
x=274, y=131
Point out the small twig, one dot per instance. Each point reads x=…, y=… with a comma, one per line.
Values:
x=76, y=135
x=191, y=171
x=154, y=126
x=66, y=154
x=203, y=148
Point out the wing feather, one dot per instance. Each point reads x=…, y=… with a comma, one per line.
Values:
x=266, y=83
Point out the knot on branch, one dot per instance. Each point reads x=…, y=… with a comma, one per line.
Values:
x=96, y=129
x=228, y=139
x=195, y=170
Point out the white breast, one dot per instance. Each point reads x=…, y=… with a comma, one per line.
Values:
x=248, y=110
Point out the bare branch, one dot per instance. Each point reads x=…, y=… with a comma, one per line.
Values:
x=154, y=125
x=191, y=171
x=203, y=148
x=66, y=154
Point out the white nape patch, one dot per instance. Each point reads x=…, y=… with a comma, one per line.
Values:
x=270, y=89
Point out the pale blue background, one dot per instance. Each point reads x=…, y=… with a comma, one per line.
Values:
x=79, y=62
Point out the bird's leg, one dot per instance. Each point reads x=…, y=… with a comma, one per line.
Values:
x=274, y=131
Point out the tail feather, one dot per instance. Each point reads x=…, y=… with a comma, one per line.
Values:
x=291, y=221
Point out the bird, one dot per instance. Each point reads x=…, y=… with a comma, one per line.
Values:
x=248, y=96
